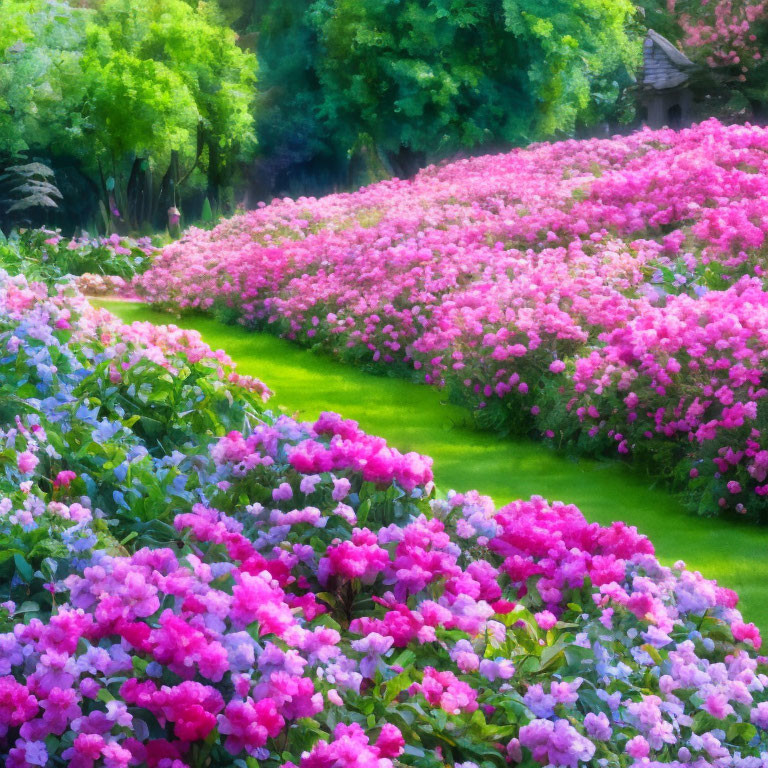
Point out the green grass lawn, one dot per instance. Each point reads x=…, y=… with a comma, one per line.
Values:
x=414, y=418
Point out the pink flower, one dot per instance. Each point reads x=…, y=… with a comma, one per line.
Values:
x=359, y=558
x=717, y=705
x=546, y=620
x=390, y=742
x=248, y=724
x=27, y=462
x=638, y=748
x=746, y=633
x=557, y=366
x=87, y=748
x=17, y=704
x=256, y=599
x=445, y=690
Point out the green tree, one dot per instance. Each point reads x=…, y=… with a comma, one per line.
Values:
x=40, y=78
x=169, y=90
x=144, y=96
x=292, y=135
x=432, y=75
x=14, y=34
x=581, y=54
x=41, y=93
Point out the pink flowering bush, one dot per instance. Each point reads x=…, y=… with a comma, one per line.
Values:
x=688, y=375
x=526, y=284
x=723, y=33
x=239, y=647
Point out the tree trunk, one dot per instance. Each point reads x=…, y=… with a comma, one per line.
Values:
x=758, y=109
x=214, y=173
x=407, y=162
x=132, y=212
x=166, y=194
x=146, y=196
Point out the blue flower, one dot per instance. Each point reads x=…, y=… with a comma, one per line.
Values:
x=106, y=430
x=90, y=416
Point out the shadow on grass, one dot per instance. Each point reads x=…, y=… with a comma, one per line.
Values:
x=414, y=418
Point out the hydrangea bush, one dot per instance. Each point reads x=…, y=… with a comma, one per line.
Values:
x=304, y=600
x=44, y=254
x=603, y=294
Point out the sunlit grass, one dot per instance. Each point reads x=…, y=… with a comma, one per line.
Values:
x=414, y=417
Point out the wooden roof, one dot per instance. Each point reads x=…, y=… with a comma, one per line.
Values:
x=664, y=66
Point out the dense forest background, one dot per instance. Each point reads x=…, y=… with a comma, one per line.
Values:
x=114, y=113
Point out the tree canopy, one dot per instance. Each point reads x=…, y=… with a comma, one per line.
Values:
x=127, y=89
x=147, y=100
x=453, y=73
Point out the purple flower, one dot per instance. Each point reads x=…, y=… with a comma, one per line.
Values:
x=558, y=743
x=598, y=726
x=373, y=646
x=282, y=493
x=501, y=669
x=36, y=753
x=341, y=488
x=308, y=483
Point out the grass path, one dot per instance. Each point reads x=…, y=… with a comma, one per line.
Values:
x=414, y=418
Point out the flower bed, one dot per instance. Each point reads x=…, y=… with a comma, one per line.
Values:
x=93, y=410
x=499, y=277
x=197, y=582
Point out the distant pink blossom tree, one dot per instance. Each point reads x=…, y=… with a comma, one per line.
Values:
x=724, y=33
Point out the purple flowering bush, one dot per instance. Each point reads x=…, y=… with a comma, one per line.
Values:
x=233, y=588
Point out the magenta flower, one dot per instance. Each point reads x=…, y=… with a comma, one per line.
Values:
x=64, y=478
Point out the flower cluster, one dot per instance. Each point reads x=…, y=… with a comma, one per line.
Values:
x=101, y=285
x=85, y=402
x=235, y=645
x=689, y=372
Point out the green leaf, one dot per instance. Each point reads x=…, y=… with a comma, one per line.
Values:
x=744, y=732
x=404, y=659
x=28, y=606
x=105, y=696
x=396, y=686
x=23, y=568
